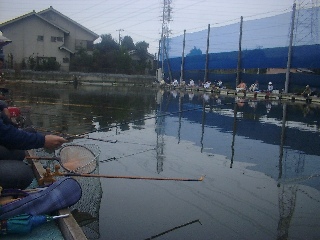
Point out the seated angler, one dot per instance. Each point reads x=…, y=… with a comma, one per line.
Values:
x=242, y=87
x=270, y=87
x=307, y=91
x=13, y=143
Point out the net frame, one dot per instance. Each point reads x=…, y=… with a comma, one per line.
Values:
x=76, y=158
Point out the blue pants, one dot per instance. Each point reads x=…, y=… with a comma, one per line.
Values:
x=11, y=154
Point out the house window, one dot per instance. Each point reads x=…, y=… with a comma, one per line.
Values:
x=65, y=60
x=53, y=39
x=81, y=44
x=84, y=44
x=59, y=39
x=40, y=38
x=90, y=45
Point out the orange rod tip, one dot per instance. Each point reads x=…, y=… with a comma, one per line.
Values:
x=202, y=177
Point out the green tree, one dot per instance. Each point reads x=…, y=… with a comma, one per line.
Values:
x=107, y=44
x=127, y=43
x=105, y=54
x=142, y=52
x=124, y=62
x=195, y=51
x=82, y=61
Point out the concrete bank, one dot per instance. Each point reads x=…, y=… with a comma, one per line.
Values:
x=80, y=78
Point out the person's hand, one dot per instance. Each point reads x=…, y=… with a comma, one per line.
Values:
x=53, y=141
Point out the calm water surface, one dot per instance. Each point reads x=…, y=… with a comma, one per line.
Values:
x=261, y=162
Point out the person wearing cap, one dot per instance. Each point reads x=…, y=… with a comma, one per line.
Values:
x=270, y=87
x=306, y=92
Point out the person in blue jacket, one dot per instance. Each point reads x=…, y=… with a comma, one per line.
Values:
x=14, y=173
x=12, y=139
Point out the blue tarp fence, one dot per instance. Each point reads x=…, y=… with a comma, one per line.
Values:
x=265, y=45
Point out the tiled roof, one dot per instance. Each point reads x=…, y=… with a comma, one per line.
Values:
x=69, y=19
x=29, y=15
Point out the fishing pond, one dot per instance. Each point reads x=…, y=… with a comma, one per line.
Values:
x=259, y=159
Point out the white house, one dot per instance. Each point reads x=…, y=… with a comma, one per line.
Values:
x=43, y=35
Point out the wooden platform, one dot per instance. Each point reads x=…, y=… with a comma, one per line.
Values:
x=257, y=95
x=68, y=226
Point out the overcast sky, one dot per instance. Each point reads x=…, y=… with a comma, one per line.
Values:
x=142, y=19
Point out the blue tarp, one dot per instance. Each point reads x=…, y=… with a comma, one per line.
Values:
x=264, y=45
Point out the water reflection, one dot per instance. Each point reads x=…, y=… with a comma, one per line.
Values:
x=260, y=157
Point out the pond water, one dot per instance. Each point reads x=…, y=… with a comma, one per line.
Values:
x=260, y=159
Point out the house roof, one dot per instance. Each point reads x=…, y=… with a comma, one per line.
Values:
x=51, y=9
x=3, y=40
x=63, y=47
x=33, y=13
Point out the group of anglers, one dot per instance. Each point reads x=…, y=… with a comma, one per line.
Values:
x=182, y=83
x=242, y=87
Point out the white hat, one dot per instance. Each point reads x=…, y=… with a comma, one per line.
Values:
x=270, y=83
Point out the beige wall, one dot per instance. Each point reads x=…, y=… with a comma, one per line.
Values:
x=24, y=34
x=76, y=32
x=24, y=44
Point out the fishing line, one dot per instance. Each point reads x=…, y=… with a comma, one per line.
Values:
x=116, y=141
x=123, y=156
x=78, y=105
x=61, y=104
x=152, y=117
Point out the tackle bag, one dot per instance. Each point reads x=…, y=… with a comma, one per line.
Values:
x=63, y=193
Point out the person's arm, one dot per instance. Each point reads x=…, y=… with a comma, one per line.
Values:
x=53, y=141
x=14, y=138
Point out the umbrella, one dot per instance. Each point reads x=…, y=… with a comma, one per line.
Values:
x=24, y=223
x=4, y=41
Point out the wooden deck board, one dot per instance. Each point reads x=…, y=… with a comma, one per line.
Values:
x=68, y=226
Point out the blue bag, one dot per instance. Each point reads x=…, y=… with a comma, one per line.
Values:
x=61, y=194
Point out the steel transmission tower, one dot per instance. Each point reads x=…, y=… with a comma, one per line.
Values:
x=307, y=22
x=165, y=32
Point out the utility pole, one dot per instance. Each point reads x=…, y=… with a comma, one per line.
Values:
x=182, y=58
x=286, y=85
x=120, y=30
x=207, y=56
x=239, y=54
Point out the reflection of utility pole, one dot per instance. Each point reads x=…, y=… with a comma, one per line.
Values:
x=120, y=30
x=287, y=193
x=180, y=114
x=234, y=131
x=203, y=122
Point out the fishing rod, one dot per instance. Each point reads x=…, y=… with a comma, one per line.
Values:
x=84, y=135
x=175, y=228
x=77, y=105
x=134, y=177
x=70, y=137
x=81, y=171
